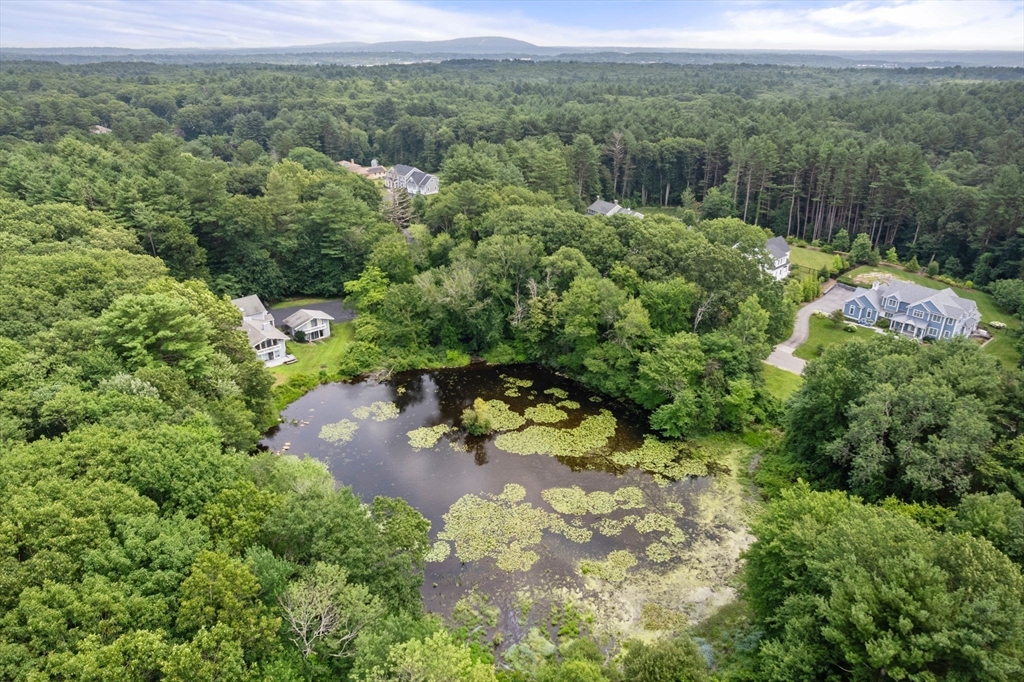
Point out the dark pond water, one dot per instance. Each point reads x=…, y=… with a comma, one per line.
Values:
x=379, y=460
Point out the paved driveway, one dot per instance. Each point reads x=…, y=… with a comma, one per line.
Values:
x=782, y=356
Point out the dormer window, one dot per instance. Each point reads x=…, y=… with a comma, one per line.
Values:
x=918, y=313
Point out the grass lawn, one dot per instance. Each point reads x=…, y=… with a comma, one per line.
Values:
x=299, y=301
x=824, y=333
x=779, y=382
x=1000, y=346
x=809, y=258
x=314, y=356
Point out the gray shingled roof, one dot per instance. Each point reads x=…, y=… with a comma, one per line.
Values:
x=250, y=305
x=946, y=300
x=777, y=247
x=258, y=335
x=602, y=207
x=402, y=169
x=300, y=317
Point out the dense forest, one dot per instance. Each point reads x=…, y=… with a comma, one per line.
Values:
x=143, y=537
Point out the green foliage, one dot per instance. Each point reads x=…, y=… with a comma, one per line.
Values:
x=837, y=584
x=675, y=659
x=476, y=420
x=998, y=518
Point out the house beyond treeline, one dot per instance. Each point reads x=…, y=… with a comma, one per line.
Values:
x=258, y=324
x=778, y=250
x=411, y=179
x=914, y=310
x=312, y=324
x=374, y=171
x=600, y=207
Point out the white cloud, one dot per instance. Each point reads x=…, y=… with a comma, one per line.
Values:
x=854, y=25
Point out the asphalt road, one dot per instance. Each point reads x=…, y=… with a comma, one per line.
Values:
x=782, y=356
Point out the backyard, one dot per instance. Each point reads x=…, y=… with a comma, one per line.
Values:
x=809, y=258
x=312, y=357
x=1001, y=345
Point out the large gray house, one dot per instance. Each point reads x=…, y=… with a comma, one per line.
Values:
x=601, y=207
x=411, y=179
x=258, y=324
x=914, y=310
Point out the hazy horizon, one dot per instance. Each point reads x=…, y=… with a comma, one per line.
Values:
x=770, y=25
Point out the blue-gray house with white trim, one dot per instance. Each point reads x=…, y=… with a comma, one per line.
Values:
x=914, y=310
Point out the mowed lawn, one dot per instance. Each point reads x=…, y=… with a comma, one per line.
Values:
x=299, y=301
x=825, y=333
x=809, y=258
x=1001, y=346
x=779, y=382
x=312, y=357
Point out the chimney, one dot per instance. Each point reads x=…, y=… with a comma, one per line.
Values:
x=616, y=202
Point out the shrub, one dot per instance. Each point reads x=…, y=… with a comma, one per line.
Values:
x=476, y=420
x=933, y=268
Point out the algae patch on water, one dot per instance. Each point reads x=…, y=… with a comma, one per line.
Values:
x=592, y=433
x=568, y=404
x=613, y=568
x=338, y=432
x=380, y=411
x=440, y=551
x=545, y=413
x=427, y=436
x=662, y=459
x=559, y=393
x=502, y=417
x=577, y=502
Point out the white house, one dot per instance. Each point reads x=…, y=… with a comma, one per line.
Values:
x=600, y=207
x=914, y=310
x=258, y=324
x=411, y=179
x=778, y=251
x=314, y=324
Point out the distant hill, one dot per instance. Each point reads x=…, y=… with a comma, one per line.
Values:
x=497, y=47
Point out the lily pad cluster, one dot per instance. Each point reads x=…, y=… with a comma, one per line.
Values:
x=380, y=411
x=662, y=459
x=577, y=502
x=559, y=393
x=592, y=433
x=613, y=568
x=513, y=381
x=427, y=436
x=338, y=432
x=568, y=404
x=502, y=417
x=440, y=551
x=545, y=413
x=497, y=527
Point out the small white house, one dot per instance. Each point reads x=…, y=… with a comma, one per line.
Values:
x=411, y=179
x=258, y=324
x=778, y=251
x=314, y=324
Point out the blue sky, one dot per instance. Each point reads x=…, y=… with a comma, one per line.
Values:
x=697, y=24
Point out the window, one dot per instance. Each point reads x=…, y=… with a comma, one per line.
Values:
x=892, y=302
x=918, y=313
x=946, y=334
x=935, y=318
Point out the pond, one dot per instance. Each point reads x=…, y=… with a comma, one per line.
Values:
x=570, y=499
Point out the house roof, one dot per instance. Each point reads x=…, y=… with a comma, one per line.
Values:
x=944, y=301
x=257, y=334
x=249, y=305
x=300, y=317
x=603, y=207
x=402, y=170
x=417, y=176
x=376, y=169
x=777, y=247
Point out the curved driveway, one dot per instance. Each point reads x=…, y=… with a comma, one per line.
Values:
x=782, y=356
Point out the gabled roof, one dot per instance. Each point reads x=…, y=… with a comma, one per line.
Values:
x=376, y=169
x=944, y=300
x=402, y=170
x=602, y=207
x=417, y=176
x=777, y=247
x=249, y=305
x=257, y=334
x=300, y=317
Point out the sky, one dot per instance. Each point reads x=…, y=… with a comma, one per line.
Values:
x=694, y=24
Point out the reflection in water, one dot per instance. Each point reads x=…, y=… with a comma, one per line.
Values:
x=379, y=460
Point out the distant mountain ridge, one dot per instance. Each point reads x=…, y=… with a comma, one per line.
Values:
x=498, y=47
